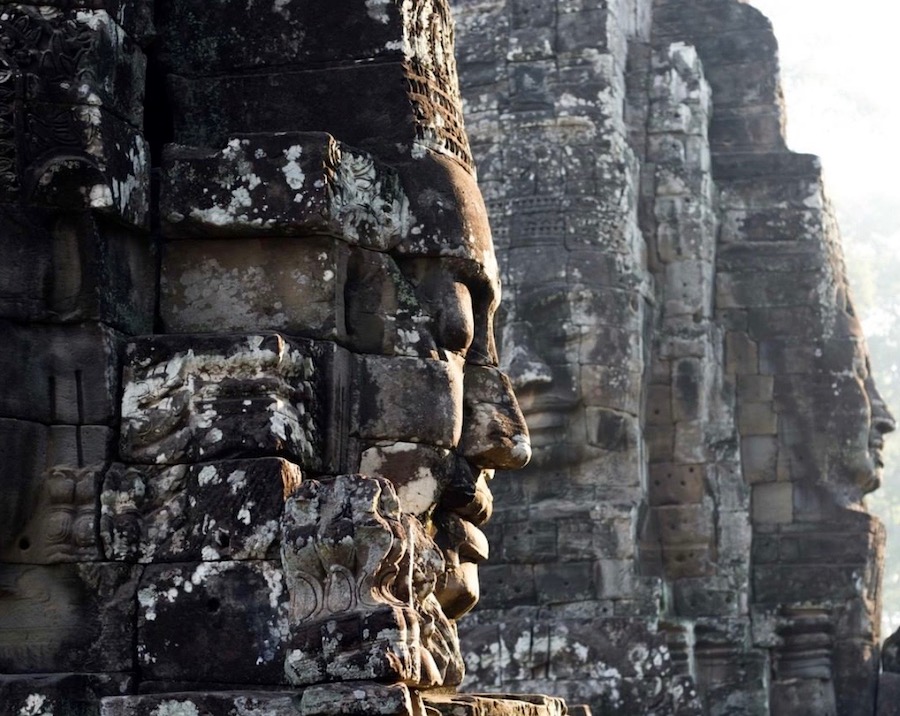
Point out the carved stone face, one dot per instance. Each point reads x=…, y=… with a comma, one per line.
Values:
x=355, y=336
x=540, y=346
x=450, y=267
x=853, y=414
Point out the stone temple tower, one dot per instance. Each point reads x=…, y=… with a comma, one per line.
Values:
x=681, y=337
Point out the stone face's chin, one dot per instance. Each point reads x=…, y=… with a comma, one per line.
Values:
x=458, y=589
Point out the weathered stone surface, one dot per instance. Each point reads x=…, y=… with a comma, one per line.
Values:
x=74, y=693
x=200, y=398
x=63, y=521
x=75, y=57
x=208, y=703
x=284, y=183
x=90, y=159
x=277, y=34
x=188, y=617
x=228, y=510
x=47, y=491
x=361, y=699
x=67, y=618
x=67, y=270
x=393, y=400
x=242, y=284
x=361, y=578
x=499, y=704
x=888, y=694
x=60, y=374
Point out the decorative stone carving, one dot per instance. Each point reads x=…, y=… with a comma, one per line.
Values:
x=362, y=577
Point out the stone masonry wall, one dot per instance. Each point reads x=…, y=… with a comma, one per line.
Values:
x=732, y=395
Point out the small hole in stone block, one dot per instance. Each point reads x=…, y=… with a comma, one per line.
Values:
x=212, y=605
x=24, y=543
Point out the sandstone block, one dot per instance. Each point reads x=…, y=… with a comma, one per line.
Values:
x=772, y=503
x=294, y=183
x=770, y=224
x=689, y=288
x=565, y=582
x=193, y=623
x=685, y=524
x=696, y=598
x=690, y=441
x=785, y=583
x=768, y=288
x=366, y=105
x=674, y=484
x=184, y=513
x=89, y=629
x=747, y=128
x=75, y=693
x=494, y=433
x=612, y=431
x=741, y=353
x=208, y=703
x=195, y=398
x=90, y=159
x=57, y=518
x=757, y=419
x=529, y=542
x=604, y=641
x=888, y=694
x=96, y=271
x=362, y=579
x=409, y=399
x=507, y=585
x=683, y=561
x=95, y=63
x=238, y=39
x=59, y=374
x=684, y=229
x=381, y=312
x=250, y=284
x=689, y=389
x=47, y=493
x=360, y=699
x=499, y=704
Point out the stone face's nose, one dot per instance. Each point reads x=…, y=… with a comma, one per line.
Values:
x=494, y=434
x=883, y=420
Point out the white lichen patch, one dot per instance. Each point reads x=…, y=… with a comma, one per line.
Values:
x=208, y=476
x=419, y=495
x=521, y=449
x=237, y=481
x=36, y=705
x=378, y=10
x=176, y=708
x=147, y=598
x=293, y=173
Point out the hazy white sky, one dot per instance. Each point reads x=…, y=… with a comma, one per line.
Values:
x=840, y=71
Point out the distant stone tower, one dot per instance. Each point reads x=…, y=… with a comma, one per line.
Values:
x=678, y=328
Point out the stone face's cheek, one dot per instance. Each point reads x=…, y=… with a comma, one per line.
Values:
x=408, y=399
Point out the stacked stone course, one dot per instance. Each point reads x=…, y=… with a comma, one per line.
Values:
x=736, y=492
